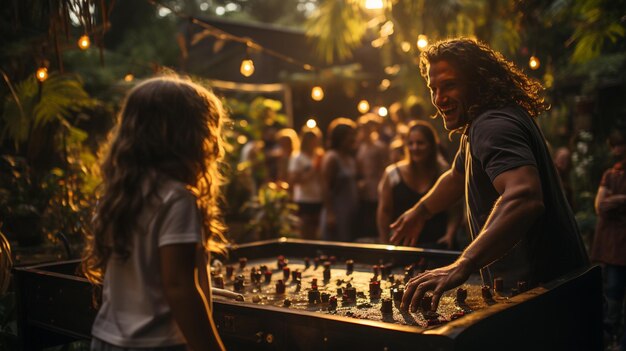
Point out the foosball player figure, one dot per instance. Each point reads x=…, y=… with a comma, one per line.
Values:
x=287, y=303
x=314, y=283
x=461, y=295
x=349, y=266
x=295, y=275
x=349, y=293
x=238, y=284
x=286, y=273
x=339, y=292
x=375, y=289
x=229, y=271
x=332, y=303
x=307, y=263
x=316, y=262
x=218, y=281
x=298, y=284
x=385, y=271
x=325, y=297
x=257, y=276
x=252, y=275
x=280, y=287
x=242, y=263
x=397, y=294
x=326, y=271
x=498, y=284
x=268, y=275
x=486, y=292
x=522, y=286
x=386, y=306
x=376, y=270
x=332, y=259
x=263, y=268
x=314, y=296
x=408, y=273
x=281, y=262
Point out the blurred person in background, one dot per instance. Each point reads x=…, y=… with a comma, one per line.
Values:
x=609, y=244
x=339, y=185
x=305, y=177
x=372, y=158
x=404, y=183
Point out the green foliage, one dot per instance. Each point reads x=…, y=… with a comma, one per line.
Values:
x=56, y=100
x=338, y=27
x=273, y=212
x=597, y=27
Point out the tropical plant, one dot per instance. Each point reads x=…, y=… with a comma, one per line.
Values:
x=273, y=213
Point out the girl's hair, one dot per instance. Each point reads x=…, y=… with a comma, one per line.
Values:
x=493, y=81
x=292, y=136
x=168, y=126
x=338, y=129
x=430, y=134
x=307, y=135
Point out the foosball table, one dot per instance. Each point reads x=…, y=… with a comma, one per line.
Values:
x=289, y=294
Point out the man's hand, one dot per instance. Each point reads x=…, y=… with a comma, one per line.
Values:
x=438, y=281
x=408, y=227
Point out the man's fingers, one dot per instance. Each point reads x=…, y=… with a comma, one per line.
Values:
x=418, y=295
x=409, y=288
x=436, y=297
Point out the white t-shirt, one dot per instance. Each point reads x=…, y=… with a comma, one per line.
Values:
x=308, y=190
x=134, y=311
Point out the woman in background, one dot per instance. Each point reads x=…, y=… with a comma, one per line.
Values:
x=339, y=186
x=305, y=176
x=404, y=183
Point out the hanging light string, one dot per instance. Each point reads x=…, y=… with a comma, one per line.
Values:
x=220, y=34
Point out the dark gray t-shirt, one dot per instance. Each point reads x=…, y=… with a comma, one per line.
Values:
x=501, y=140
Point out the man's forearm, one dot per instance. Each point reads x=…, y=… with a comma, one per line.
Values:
x=448, y=189
x=508, y=223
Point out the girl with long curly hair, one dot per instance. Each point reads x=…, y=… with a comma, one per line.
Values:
x=157, y=219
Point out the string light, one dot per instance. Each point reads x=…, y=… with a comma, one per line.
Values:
x=84, y=42
x=405, y=46
x=534, y=63
x=242, y=139
x=247, y=67
x=363, y=106
x=310, y=123
x=42, y=74
x=422, y=41
x=382, y=111
x=384, y=84
x=317, y=93
x=373, y=4
x=129, y=77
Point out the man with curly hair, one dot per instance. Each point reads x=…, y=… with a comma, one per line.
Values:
x=521, y=224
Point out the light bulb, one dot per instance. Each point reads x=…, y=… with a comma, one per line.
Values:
x=534, y=63
x=382, y=111
x=84, y=42
x=363, y=106
x=247, y=67
x=129, y=77
x=42, y=74
x=373, y=4
x=422, y=41
x=310, y=123
x=317, y=93
x=405, y=46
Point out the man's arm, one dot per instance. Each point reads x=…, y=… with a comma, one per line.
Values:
x=606, y=201
x=519, y=205
x=445, y=193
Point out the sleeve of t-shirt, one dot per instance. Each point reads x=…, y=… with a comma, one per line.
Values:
x=500, y=143
x=180, y=222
